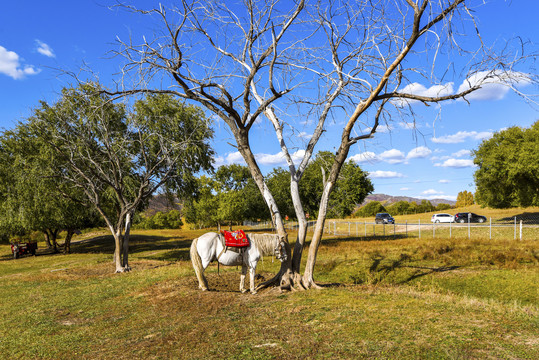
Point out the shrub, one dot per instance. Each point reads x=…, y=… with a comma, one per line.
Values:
x=169, y=220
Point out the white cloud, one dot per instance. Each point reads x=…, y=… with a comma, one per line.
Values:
x=494, y=84
x=408, y=126
x=262, y=159
x=420, y=90
x=461, y=136
x=305, y=135
x=379, y=174
x=392, y=156
x=365, y=157
x=456, y=163
x=404, y=189
x=230, y=158
x=419, y=152
x=44, y=49
x=440, y=158
x=443, y=181
x=10, y=65
x=439, y=196
x=385, y=128
x=432, y=192
x=462, y=153
x=278, y=159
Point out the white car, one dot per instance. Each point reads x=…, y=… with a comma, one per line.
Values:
x=442, y=218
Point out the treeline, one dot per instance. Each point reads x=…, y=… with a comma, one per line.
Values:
x=230, y=195
x=87, y=160
x=399, y=208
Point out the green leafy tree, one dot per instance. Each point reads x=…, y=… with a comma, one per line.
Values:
x=399, y=208
x=371, y=209
x=118, y=156
x=425, y=206
x=32, y=199
x=352, y=188
x=161, y=220
x=443, y=206
x=464, y=198
x=508, y=168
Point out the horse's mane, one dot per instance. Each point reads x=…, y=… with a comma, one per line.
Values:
x=264, y=242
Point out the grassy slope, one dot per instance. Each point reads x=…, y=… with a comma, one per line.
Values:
x=405, y=298
x=495, y=214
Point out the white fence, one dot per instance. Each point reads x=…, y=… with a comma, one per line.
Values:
x=517, y=229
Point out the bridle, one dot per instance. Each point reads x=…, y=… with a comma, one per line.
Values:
x=280, y=251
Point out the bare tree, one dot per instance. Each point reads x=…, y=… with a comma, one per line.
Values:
x=310, y=60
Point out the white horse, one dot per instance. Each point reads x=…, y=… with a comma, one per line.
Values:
x=209, y=247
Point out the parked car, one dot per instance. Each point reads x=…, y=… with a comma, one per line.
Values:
x=464, y=216
x=384, y=218
x=442, y=218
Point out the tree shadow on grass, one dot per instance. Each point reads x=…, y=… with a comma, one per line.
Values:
x=334, y=241
x=380, y=269
x=143, y=246
x=528, y=218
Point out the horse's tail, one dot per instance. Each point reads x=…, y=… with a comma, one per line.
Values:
x=197, y=265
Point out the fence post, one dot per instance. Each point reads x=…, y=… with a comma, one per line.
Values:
x=468, y=227
x=515, y=227
x=357, y=232
x=394, y=230
x=490, y=229
x=420, y=228
x=406, y=228
x=450, y=229
x=365, y=229
x=520, y=229
x=349, y=228
x=433, y=230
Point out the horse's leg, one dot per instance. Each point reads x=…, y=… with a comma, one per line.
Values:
x=252, y=270
x=198, y=266
x=242, y=278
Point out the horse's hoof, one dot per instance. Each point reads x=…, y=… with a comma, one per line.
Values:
x=254, y=292
x=204, y=289
x=243, y=291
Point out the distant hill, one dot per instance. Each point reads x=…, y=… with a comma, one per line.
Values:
x=388, y=200
x=161, y=203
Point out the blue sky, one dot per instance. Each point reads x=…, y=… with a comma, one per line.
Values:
x=431, y=161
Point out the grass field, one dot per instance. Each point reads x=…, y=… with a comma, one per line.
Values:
x=396, y=298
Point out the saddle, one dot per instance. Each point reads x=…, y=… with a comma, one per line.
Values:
x=235, y=241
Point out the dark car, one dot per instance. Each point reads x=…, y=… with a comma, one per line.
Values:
x=464, y=216
x=384, y=218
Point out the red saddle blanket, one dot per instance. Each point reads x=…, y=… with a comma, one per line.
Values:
x=236, y=238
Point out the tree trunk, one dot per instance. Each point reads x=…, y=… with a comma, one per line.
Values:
x=53, y=236
x=285, y=277
x=125, y=243
x=67, y=242
x=117, y=249
x=47, y=239
x=340, y=158
x=302, y=226
x=308, y=276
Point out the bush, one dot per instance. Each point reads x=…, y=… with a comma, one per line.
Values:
x=370, y=209
x=168, y=220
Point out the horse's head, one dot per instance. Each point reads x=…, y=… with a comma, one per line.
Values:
x=280, y=250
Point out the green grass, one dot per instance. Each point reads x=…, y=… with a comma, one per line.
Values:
x=388, y=298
